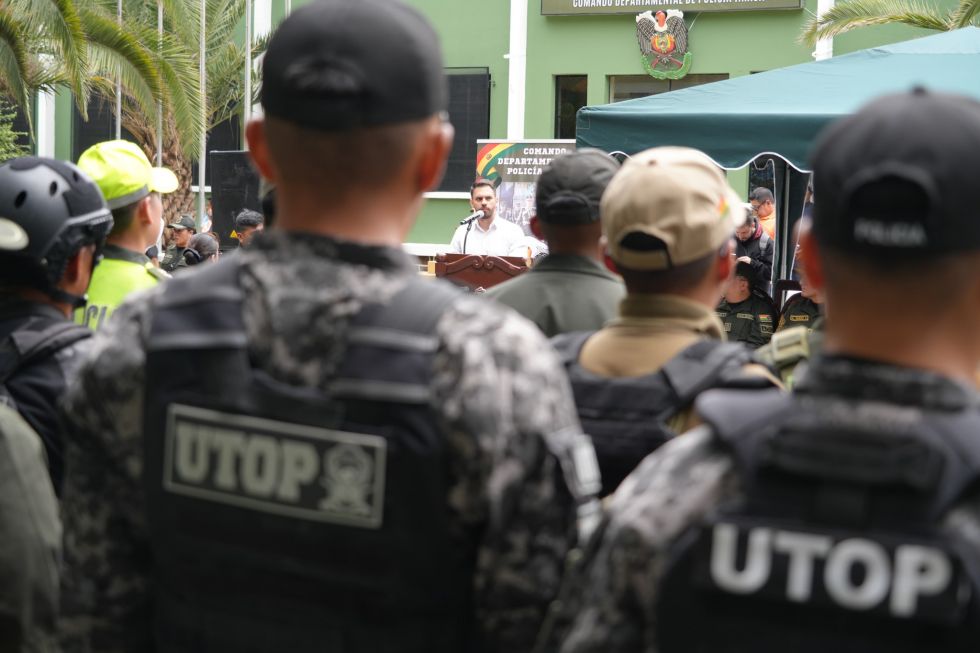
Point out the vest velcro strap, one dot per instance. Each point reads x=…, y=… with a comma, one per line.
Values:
x=373, y=390
x=200, y=294
x=392, y=339
x=198, y=340
x=866, y=459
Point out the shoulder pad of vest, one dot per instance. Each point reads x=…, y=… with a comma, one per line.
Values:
x=703, y=365
x=157, y=273
x=733, y=413
x=569, y=345
x=786, y=348
x=30, y=346
x=416, y=308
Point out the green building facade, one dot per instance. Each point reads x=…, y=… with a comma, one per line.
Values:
x=571, y=60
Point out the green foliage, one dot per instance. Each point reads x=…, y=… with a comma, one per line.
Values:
x=848, y=15
x=9, y=147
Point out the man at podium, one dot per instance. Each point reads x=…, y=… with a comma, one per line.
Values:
x=486, y=235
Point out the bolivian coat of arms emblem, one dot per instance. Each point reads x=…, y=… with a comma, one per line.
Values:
x=663, y=41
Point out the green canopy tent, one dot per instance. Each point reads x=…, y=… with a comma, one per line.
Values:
x=780, y=112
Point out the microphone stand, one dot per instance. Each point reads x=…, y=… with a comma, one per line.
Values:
x=469, y=225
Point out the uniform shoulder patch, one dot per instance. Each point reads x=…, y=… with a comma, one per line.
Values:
x=799, y=318
x=157, y=273
x=765, y=317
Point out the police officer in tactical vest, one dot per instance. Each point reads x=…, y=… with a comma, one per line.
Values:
x=53, y=224
x=668, y=217
x=132, y=187
x=307, y=446
x=841, y=517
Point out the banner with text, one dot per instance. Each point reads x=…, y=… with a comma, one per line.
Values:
x=566, y=7
x=513, y=167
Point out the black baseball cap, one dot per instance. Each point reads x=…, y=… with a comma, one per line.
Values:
x=570, y=188
x=898, y=178
x=185, y=222
x=335, y=65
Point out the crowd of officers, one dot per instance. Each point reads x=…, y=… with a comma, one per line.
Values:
x=308, y=446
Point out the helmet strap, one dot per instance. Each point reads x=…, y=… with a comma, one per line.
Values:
x=73, y=300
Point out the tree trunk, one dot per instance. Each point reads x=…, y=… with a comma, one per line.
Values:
x=183, y=200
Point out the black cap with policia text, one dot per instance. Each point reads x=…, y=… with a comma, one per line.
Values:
x=899, y=177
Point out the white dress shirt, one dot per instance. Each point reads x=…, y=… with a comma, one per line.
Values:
x=500, y=239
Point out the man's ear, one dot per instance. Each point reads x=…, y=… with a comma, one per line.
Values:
x=143, y=210
x=258, y=148
x=810, y=257
x=725, y=266
x=536, y=228
x=73, y=271
x=610, y=264
x=604, y=255
x=78, y=271
x=435, y=146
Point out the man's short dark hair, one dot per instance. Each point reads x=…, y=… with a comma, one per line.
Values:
x=480, y=183
x=247, y=218
x=123, y=216
x=677, y=279
x=347, y=161
x=761, y=195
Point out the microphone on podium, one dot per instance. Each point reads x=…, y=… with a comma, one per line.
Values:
x=476, y=215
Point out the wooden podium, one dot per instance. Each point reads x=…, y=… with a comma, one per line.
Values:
x=477, y=271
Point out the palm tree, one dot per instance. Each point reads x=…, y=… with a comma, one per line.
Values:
x=45, y=44
x=852, y=14
x=176, y=56
x=82, y=45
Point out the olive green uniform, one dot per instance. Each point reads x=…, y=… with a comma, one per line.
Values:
x=563, y=293
x=750, y=321
x=31, y=534
x=174, y=258
x=799, y=311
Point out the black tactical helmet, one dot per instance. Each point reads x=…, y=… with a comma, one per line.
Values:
x=49, y=210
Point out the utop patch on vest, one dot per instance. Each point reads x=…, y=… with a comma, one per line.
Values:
x=292, y=470
x=885, y=574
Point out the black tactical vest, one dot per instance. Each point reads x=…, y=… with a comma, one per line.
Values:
x=286, y=519
x=627, y=417
x=839, y=544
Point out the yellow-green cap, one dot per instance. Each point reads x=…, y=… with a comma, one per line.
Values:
x=123, y=172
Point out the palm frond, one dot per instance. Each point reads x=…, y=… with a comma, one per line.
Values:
x=181, y=84
x=852, y=14
x=15, y=67
x=223, y=18
x=120, y=51
x=58, y=24
x=965, y=13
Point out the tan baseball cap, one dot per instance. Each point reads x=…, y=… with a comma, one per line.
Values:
x=677, y=195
